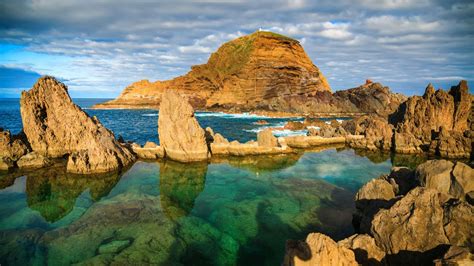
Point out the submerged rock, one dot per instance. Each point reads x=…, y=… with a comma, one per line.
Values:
x=56, y=127
x=180, y=134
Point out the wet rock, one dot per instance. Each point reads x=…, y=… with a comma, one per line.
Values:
x=265, y=138
x=149, y=151
x=114, y=246
x=180, y=134
x=365, y=250
x=324, y=251
x=261, y=122
x=33, y=160
x=55, y=127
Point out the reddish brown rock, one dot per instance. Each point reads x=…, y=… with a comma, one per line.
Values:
x=56, y=127
x=246, y=73
x=294, y=125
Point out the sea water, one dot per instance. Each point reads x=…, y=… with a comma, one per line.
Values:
x=231, y=211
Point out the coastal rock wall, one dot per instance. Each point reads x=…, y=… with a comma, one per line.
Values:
x=56, y=127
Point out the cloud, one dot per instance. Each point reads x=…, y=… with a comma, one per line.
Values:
x=101, y=47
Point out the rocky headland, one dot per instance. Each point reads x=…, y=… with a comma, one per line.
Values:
x=261, y=72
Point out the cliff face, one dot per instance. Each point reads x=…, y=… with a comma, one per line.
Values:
x=246, y=73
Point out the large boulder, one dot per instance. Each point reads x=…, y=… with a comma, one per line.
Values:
x=265, y=138
x=455, y=179
x=414, y=223
x=451, y=144
x=324, y=251
x=377, y=131
x=180, y=134
x=56, y=127
x=365, y=250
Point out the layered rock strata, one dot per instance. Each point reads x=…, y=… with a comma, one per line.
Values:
x=56, y=127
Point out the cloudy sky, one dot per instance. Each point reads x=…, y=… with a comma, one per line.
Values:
x=99, y=47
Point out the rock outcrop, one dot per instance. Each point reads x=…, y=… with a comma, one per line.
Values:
x=324, y=251
x=377, y=133
x=415, y=217
x=149, y=151
x=33, y=160
x=56, y=127
x=181, y=136
x=246, y=73
x=11, y=148
x=436, y=121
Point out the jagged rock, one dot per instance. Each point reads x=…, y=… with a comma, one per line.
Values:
x=328, y=131
x=55, y=127
x=365, y=250
x=180, y=134
x=378, y=133
x=265, y=138
x=33, y=160
x=456, y=256
x=417, y=119
x=149, y=151
x=470, y=197
x=403, y=180
x=12, y=147
x=324, y=251
x=459, y=223
x=413, y=224
x=451, y=144
x=313, y=122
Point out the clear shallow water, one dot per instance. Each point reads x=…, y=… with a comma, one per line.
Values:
x=232, y=211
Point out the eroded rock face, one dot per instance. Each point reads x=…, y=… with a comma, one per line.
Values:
x=12, y=147
x=415, y=223
x=180, y=134
x=419, y=118
x=265, y=138
x=56, y=127
x=228, y=79
x=377, y=133
x=149, y=151
x=33, y=160
x=365, y=250
x=324, y=251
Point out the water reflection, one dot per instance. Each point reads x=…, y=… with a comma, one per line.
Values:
x=259, y=164
x=180, y=185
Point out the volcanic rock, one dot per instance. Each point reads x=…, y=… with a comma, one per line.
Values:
x=12, y=147
x=365, y=250
x=417, y=119
x=265, y=138
x=324, y=251
x=376, y=130
x=247, y=72
x=33, y=160
x=180, y=134
x=56, y=127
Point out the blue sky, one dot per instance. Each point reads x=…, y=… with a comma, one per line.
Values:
x=99, y=47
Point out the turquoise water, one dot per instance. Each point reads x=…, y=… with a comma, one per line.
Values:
x=231, y=211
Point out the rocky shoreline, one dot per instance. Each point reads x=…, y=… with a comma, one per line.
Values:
x=409, y=217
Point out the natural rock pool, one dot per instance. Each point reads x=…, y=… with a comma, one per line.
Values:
x=232, y=211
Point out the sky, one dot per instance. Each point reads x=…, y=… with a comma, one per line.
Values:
x=97, y=48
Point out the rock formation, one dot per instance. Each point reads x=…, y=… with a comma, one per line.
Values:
x=180, y=134
x=11, y=148
x=245, y=72
x=149, y=151
x=56, y=127
x=414, y=217
x=438, y=120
